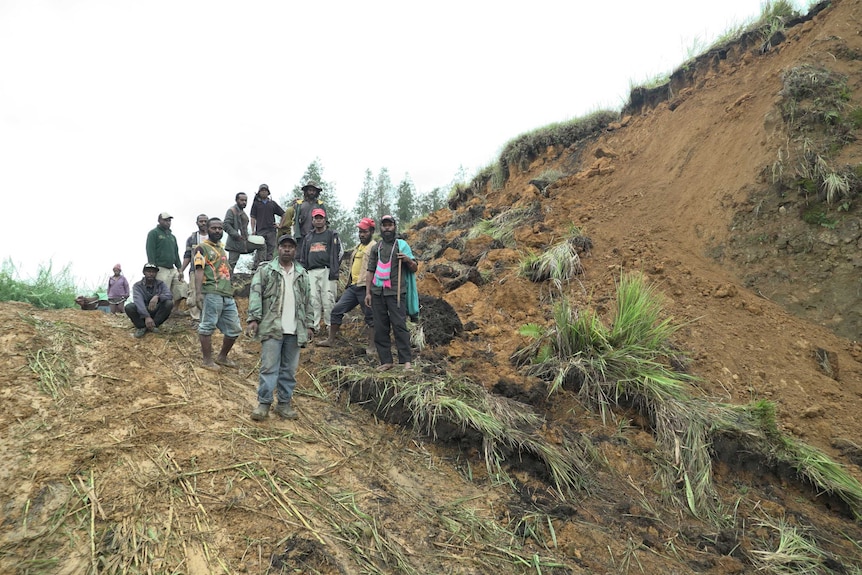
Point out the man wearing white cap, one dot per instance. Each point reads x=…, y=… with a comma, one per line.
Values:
x=163, y=251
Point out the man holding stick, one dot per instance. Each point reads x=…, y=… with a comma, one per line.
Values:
x=388, y=299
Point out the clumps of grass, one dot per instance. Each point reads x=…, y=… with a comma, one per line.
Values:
x=505, y=427
x=523, y=149
x=625, y=365
x=789, y=551
x=495, y=173
x=417, y=335
x=754, y=427
x=815, y=179
x=48, y=290
x=772, y=21
x=502, y=226
x=48, y=362
x=816, y=97
x=550, y=176
x=560, y=264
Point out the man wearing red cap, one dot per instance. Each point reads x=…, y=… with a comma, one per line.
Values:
x=321, y=256
x=354, y=293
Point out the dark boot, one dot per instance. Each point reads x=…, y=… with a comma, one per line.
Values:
x=260, y=413
x=333, y=333
x=285, y=410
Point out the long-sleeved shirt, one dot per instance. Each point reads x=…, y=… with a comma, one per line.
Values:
x=162, y=248
x=266, y=301
x=118, y=287
x=143, y=293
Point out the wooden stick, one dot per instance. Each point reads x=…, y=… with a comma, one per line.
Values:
x=398, y=297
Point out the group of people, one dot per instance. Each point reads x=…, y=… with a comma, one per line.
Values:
x=296, y=271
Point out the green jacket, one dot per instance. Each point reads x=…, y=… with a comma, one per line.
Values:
x=162, y=249
x=265, y=299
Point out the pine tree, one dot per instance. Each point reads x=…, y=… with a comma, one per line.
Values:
x=405, y=209
x=383, y=194
x=365, y=202
x=430, y=202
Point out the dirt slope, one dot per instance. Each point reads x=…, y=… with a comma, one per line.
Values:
x=122, y=455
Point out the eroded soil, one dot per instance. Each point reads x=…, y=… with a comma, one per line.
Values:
x=123, y=455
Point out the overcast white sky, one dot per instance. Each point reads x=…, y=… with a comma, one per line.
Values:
x=112, y=111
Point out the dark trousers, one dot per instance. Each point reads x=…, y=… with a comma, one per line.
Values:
x=389, y=315
x=353, y=296
x=265, y=254
x=163, y=311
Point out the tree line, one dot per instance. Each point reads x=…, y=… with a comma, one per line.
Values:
x=377, y=197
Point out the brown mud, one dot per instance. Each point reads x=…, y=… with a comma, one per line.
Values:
x=123, y=455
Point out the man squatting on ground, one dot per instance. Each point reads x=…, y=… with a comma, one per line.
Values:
x=387, y=293
x=236, y=227
x=162, y=250
x=151, y=303
x=191, y=243
x=218, y=308
x=354, y=293
x=321, y=255
x=279, y=314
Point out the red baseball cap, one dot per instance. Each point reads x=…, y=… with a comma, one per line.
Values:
x=366, y=224
x=318, y=212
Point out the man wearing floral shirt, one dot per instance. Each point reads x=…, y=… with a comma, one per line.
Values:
x=218, y=308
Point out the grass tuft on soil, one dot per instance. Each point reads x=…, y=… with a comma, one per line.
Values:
x=624, y=366
x=455, y=406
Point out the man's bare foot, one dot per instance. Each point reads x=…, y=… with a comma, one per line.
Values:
x=211, y=366
x=408, y=366
x=384, y=367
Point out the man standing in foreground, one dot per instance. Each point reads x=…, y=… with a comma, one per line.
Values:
x=162, y=250
x=354, y=293
x=236, y=228
x=279, y=313
x=321, y=255
x=218, y=308
x=387, y=293
x=151, y=303
x=192, y=242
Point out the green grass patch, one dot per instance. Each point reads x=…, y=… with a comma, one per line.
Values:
x=49, y=290
x=560, y=263
x=507, y=428
x=625, y=366
x=523, y=149
x=502, y=226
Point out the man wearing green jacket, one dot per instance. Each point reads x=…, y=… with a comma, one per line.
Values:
x=163, y=251
x=279, y=314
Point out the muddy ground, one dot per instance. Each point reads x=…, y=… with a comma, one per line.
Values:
x=123, y=455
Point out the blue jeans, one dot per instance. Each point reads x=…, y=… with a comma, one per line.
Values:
x=353, y=296
x=279, y=359
x=219, y=312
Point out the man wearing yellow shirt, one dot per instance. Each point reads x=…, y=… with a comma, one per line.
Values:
x=354, y=293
